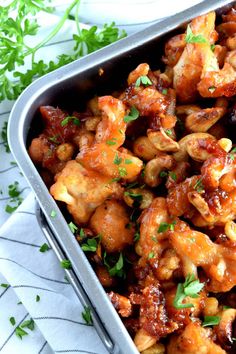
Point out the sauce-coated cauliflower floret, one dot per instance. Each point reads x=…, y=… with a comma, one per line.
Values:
x=82, y=190
x=193, y=340
x=111, y=221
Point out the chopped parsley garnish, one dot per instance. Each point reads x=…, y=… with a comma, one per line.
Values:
x=168, y=132
x=19, y=303
x=144, y=80
x=111, y=142
x=210, y=321
x=232, y=153
x=86, y=314
x=133, y=115
x=199, y=186
x=191, y=287
x=90, y=246
x=20, y=332
x=82, y=233
x=5, y=285
x=164, y=226
x=164, y=91
x=213, y=47
x=72, y=119
x=136, y=196
x=225, y=307
x=128, y=162
x=37, y=298
x=191, y=38
x=73, y=228
x=163, y=174
x=117, y=267
x=66, y=264
x=136, y=236
x=151, y=255
x=54, y=140
x=117, y=159
x=173, y=175
x=116, y=179
x=28, y=324
x=44, y=248
x=122, y=171
x=53, y=214
x=211, y=89
x=4, y=137
x=12, y=320
x=14, y=194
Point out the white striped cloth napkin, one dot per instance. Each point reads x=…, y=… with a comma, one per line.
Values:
x=27, y=275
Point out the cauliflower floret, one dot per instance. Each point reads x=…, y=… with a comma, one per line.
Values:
x=82, y=190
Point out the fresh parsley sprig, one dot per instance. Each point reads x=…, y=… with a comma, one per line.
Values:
x=14, y=48
x=192, y=38
x=191, y=287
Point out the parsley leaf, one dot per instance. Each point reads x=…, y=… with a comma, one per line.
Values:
x=211, y=321
x=118, y=268
x=53, y=214
x=191, y=38
x=111, y=141
x=12, y=320
x=37, y=298
x=5, y=285
x=68, y=119
x=117, y=159
x=122, y=171
x=144, y=80
x=164, y=226
x=90, y=246
x=191, y=287
x=14, y=51
x=44, y=248
x=133, y=115
x=66, y=264
x=232, y=153
x=199, y=187
x=86, y=314
x=28, y=324
x=14, y=194
x=73, y=227
x=20, y=332
x=4, y=137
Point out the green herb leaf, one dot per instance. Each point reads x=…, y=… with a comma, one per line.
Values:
x=90, y=246
x=168, y=132
x=86, y=314
x=122, y=171
x=68, y=119
x=28, y=324
x=53, y=214
x=12, y=320
x=111, y=142
x=44, y=248
x=199, y=187
x=191, y=38
x=163, y=174
x=164, y=226
x=66, y=264
x=144, y=80
x=136, y=236
x=73, y=227
x=133, y=115
x=117, y=159
x=232, y=153
x=173, y=175
x=5, y=285
x=164, y=91
x=211, y=89
x=136, y=196
x=20, y=332
x=211, y=321
x=128, y=162
x=118, y=267
x=151, y=255
x=4, y=137
x=37, y=298
x=191, y=287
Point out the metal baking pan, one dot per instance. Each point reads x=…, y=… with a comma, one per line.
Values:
x=68, y=87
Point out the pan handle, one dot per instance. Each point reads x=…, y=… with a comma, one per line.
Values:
x=72, y=278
